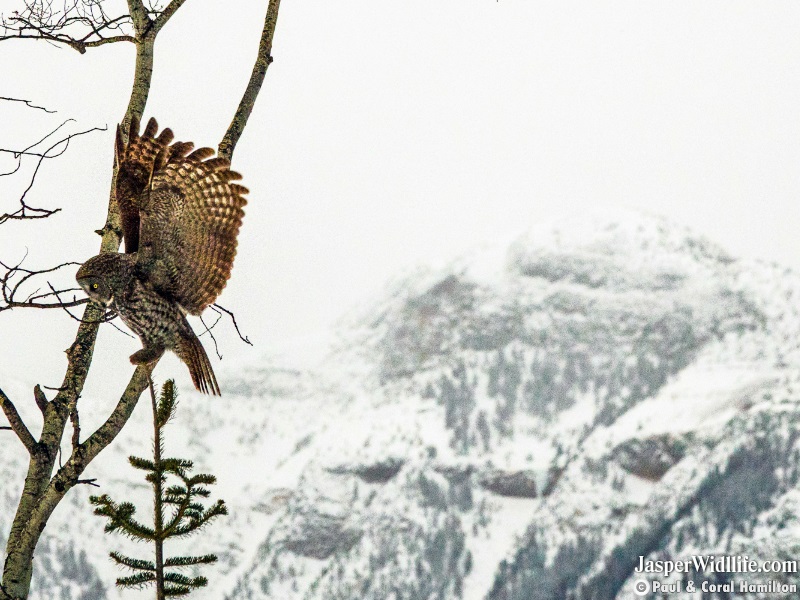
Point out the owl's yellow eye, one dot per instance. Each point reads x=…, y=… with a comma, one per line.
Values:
x=95, y=286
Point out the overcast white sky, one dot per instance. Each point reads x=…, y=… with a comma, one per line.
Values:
x=394, y=133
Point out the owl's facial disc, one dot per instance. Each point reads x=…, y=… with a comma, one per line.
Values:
x=97, y=289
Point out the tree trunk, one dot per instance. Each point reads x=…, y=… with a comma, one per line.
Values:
x=40, y=495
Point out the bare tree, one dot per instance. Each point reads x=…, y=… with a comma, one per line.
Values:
x=81, y=25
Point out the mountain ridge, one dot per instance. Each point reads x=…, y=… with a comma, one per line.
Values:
x=522, y=423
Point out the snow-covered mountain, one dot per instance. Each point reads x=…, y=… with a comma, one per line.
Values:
x=523, y=424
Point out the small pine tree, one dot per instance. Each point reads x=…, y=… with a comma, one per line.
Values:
x=186, y=514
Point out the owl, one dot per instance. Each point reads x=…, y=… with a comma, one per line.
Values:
x=180, y=216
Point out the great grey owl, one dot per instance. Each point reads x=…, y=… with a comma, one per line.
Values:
x=180, y=216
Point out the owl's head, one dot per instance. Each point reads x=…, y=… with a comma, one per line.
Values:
x=103, y=274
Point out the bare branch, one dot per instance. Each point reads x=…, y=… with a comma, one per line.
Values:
x=10, y=290
x=218, y=308
x=25, y=211
x=18, y=154
x=44, y=493
x=104, y=434
x=40, y=398
x=27, y=103
x=109, y=40
x=62, y=305
x=108, y=316
x=27, y=151
x=115, y=326
x=211, y=333
x=13, y=294
x=263, y=60
x=166, y=14
x=17, y=424
x=78, y=24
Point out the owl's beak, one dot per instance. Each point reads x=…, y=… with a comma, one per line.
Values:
x=104, y=301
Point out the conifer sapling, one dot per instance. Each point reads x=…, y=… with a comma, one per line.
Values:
x=177, y=512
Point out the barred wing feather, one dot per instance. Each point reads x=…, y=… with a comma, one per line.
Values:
x=190, y=218
x=135, y=160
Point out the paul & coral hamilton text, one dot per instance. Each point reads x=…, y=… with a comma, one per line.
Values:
x=715, y=564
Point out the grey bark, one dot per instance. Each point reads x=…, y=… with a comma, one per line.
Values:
x=263, y=60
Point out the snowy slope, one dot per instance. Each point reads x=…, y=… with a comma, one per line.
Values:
x=522, y=424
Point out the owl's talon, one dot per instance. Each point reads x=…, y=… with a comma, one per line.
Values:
x=146, y=355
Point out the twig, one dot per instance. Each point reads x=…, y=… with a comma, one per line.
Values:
x=122, y=331
x=11, y=288
x=209, y=332
x=166, y=14
x=61, y=146
x=25, y=151
x=107, y=316
x=78, y=25
x=41, y=213
x=54, y=389
x=218, y=308
x=27, y=103
x=18, y=154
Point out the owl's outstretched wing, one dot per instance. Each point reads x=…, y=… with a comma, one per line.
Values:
x=135, y=164
x=190, y=216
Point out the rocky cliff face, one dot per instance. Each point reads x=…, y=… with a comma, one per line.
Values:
x=523, y=424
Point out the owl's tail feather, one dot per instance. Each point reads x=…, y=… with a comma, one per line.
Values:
x=191, y=352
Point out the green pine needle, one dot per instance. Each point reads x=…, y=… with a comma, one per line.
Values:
x=189, y=561
x=176, y=591
x=176, y=465
x=141, y=463
x=132, y=563
x=201, y=479
x=137, y=581
x=183, y=580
